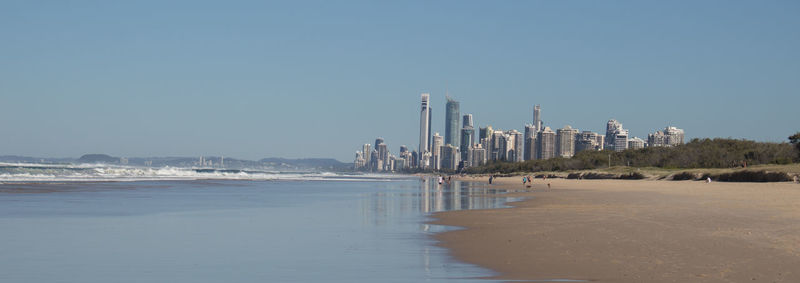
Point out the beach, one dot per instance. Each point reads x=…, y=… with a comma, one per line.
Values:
x=633, y=231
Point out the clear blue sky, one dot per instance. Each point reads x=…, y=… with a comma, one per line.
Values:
x=320, y=78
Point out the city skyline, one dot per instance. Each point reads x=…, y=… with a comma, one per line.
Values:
x=300, y=80
x=537, y=141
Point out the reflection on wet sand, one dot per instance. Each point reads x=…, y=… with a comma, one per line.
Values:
x=430, y=197
x=424, y=197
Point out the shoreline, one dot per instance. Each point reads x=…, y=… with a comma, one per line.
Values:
x=632, y=231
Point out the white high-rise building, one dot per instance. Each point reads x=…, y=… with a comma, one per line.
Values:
x=425, y=127
x=588, y=140
x=621, y=140
x=546, y=144
x=674, y=136
x=477, y=155
x=514, y=146
x=436, y=154
x=670, y=136
x=611, y=129
x=565, y=141
x=367, y=153
x=635, y=143
x=537, y=118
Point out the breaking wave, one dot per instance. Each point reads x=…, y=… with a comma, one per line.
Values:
x=27, y=172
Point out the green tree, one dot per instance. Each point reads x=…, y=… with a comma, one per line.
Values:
x=795, y=139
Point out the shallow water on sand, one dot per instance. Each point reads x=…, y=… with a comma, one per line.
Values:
x=231, y=231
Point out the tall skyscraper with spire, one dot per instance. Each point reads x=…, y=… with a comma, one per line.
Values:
x=452, y=118
x=537, y=118
x=425, y=126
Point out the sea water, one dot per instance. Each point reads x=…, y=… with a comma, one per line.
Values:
x=232, y=231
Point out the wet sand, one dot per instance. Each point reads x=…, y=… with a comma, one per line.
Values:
x=635, y=231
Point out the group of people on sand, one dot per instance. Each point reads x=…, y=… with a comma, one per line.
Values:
x=527, y=181
x=442, y=180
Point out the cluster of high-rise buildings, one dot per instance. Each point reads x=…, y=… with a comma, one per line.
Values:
x=462, y=147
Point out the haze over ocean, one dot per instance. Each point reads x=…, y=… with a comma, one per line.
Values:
x=248, y=80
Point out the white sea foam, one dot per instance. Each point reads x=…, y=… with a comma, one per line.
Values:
x=27, y=172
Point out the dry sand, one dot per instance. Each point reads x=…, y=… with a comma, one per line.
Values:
x=635, y=231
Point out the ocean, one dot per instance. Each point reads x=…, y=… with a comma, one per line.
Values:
x=327, y=227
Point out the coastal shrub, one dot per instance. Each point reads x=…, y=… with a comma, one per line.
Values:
x=632, y=176
x=684, y=176
x=549, y=176
x=599, y=176
x=697, y=153
x=752, y=176
x=574, y=176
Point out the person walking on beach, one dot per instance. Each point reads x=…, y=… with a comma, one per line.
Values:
x=524, y=180
x=490, y=179
x=441, y=180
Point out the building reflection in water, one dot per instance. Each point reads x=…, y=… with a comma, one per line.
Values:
x=420, y=198
x=410, y=202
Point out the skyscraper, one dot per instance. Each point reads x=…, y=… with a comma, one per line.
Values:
x=449, y=157
x=620, y=140
x=537, y=118
x=383, y=157
x=424, y=128
x=367, y=153
x=588, y=140
x=485, y=139
x=611, y=129
x=565, y=141
x=518, y=146
x=375, y=161
x=498, y=146
x=378, y=141
x=451, y=122
x=546, y=144
x=436, y=153
x=477, y=156
x=467, y=121
x=529, y=152
x=484, y=132
x=358, y=163
x=467, y=137
x=601, y=142
x=674, y=136
x=635, y=143
x=670, y=136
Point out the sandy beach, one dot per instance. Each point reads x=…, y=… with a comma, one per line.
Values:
x=634, y=231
